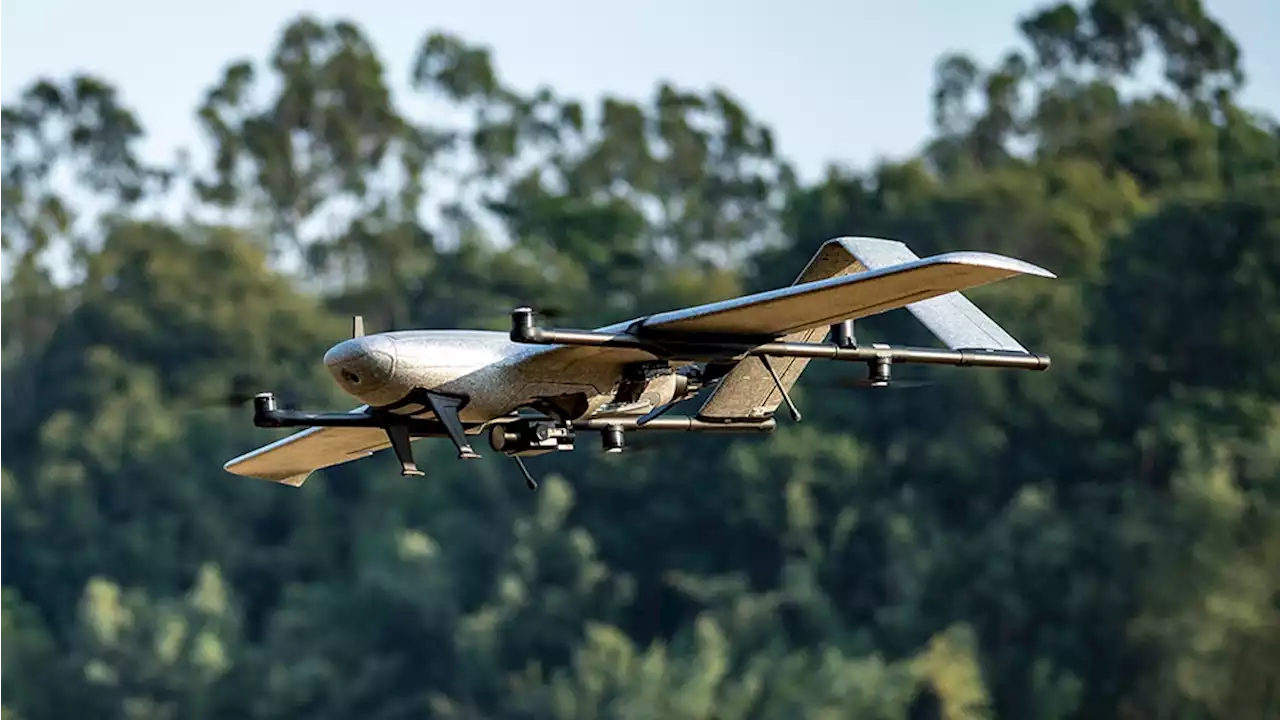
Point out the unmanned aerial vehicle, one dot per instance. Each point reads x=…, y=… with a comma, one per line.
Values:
x=533, y=390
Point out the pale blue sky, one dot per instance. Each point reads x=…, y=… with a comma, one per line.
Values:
x=839, y=81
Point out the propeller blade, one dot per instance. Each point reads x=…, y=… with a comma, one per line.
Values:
x=647, y=442
x=240, y=392
x=867, y=384
x=550, y=312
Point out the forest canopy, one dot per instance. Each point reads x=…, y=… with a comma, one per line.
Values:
x=1098, y=541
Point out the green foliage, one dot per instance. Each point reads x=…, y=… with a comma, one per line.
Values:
x=1096, y=541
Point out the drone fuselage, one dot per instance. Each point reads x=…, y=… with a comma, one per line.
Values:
x=491, y=374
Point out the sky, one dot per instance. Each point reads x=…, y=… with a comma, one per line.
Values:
x=839, y=81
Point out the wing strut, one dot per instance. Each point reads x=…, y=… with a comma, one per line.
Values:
x=786, y=398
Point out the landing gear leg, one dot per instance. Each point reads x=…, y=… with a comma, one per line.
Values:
x=399, y=437
x=446, y=409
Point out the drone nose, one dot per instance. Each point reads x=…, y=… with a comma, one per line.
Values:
x=362, y=365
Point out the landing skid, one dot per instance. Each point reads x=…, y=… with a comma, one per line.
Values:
x=446, y=409
x=401, y=445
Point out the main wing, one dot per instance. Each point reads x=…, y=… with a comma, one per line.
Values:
x=291, y=460
x=824, y=302
x=952, y=318
x=861, y=277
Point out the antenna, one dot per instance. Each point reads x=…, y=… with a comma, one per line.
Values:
x=357, y=326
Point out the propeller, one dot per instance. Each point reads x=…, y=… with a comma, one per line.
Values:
x=649, y=442
x=244, y=386
x=550, y=312
x=238, y=392
x=863, y=383
x=645, y=443
x=879, y=375
x=241, y=391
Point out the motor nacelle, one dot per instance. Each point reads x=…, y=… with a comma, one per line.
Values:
x=530, y=437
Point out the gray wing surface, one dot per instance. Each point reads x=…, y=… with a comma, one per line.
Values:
x=823, y=302
x=897, y=276
x=291, y=460
x=952, y=317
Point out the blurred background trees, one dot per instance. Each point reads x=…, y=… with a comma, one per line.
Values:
x=1099, y=541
